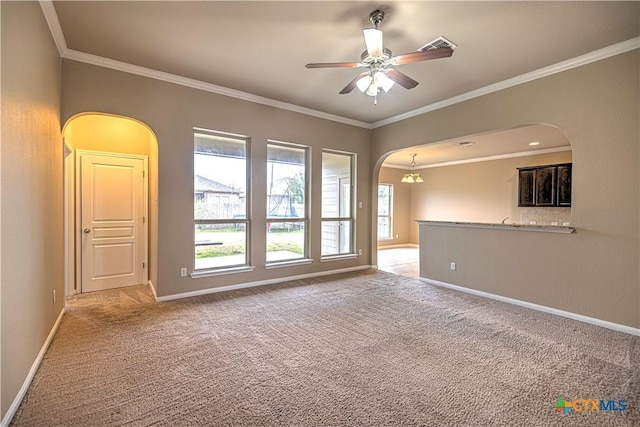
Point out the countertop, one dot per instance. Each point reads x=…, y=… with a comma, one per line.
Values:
x=499, y=226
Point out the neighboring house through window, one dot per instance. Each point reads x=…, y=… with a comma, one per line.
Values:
x=220, y=200
x=337, y=203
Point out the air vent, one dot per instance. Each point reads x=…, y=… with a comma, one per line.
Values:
x=466, y=143
x=438, y=43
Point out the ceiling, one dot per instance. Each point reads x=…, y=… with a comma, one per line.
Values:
x=506, y=143
x=261, y=48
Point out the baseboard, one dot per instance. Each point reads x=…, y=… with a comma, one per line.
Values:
x=153, y=290
x=591, y=320
x=259, y=283
x=36, y=364
x=402, y=245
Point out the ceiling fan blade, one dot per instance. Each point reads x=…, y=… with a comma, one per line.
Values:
x=409, y=58
x=334, y=65
x=352, y=84
x=402, y=79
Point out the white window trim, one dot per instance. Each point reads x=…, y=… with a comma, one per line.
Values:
x=353, y=210
x=236, y=268
x=288, y=263
x=221, y=271
x=390, y=215
x=339, y=257
x=307, y=209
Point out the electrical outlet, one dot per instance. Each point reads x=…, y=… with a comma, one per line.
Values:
x=533, y=222
x=183, y=272
x=397, y=236
x=453, y=266
x=566, y=224
x=554, y=222
x=359, y=251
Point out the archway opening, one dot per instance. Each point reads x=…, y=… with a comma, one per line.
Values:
x=108, y=134
x=466, y=179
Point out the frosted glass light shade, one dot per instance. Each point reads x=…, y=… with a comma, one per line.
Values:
x=373, y=40
x=410, y=178
x=364, y=83
x=383, y=81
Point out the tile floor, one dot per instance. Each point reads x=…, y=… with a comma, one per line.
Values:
x=402, y=261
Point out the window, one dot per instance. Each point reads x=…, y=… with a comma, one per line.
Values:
x=337, y=203
x=220, y=200
x=385, y=205
x=286, y=202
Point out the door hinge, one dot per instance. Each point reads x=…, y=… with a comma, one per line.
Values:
x=143, y=172
x=143, y=265
x=144, y=219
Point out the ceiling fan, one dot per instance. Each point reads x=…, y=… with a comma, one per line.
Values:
x=379, y=62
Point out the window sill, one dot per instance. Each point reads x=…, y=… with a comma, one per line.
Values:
x=291, y=263
x=385, y=239
x=338, y=257
x=219, y=272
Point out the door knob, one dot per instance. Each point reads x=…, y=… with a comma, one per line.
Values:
x=87, y=230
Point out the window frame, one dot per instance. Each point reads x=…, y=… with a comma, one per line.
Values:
x=305, y=259
x=389, y=216
x=246, y=221
x=351, y=219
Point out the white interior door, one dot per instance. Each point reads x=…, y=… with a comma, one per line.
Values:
x=111, y=221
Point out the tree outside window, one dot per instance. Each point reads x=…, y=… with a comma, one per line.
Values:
x=286, y=202
x=220, y=200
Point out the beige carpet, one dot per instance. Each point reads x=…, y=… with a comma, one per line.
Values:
x=366, y=348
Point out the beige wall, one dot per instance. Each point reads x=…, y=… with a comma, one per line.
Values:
x=31, y=176
x=401, y=206
x=172, y=111
x=594, y=272
x=474, y=192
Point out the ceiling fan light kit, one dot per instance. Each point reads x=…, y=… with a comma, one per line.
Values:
x=379, y=62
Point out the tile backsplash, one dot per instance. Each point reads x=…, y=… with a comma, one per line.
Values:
x=545, y=216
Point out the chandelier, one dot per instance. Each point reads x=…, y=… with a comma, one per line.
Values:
x=412, y=177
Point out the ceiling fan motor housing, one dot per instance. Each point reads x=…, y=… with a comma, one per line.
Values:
x=366, y=59
x=376, y=17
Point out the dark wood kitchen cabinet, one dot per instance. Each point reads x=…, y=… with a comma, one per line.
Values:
x=526, y=187
x=564, y=185
x=545, y=186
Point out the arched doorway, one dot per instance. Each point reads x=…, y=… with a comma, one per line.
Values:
x=109, y=137
x=466, y=179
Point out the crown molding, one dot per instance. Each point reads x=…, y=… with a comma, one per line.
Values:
x=207, y=87
x=578, y=61
x=483, y=159
x=56, y=31
x=51, y=17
